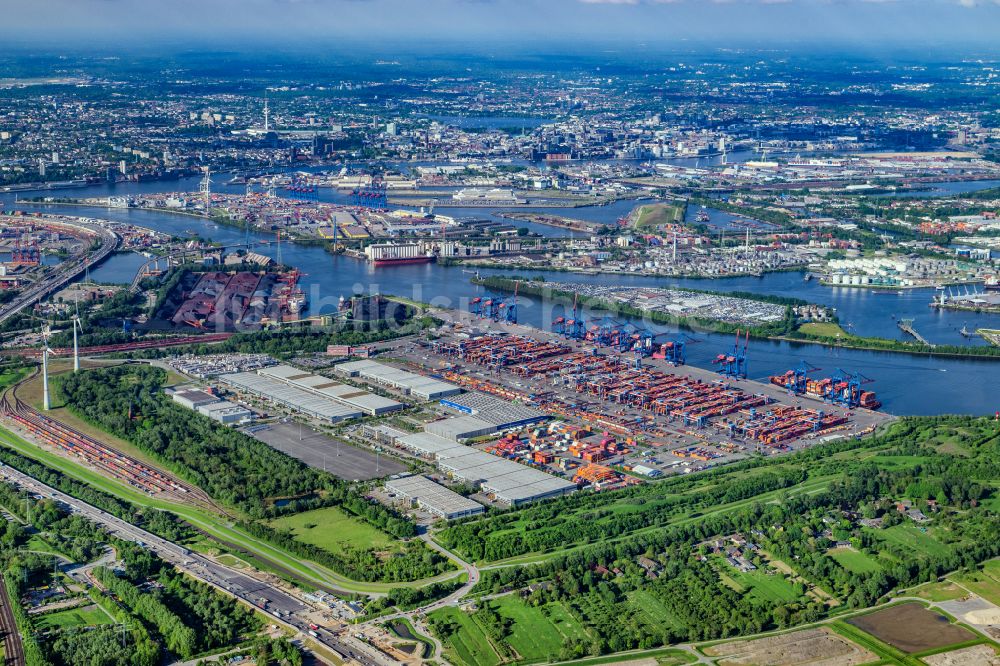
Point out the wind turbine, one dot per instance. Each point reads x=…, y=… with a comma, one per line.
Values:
x=46, y=403
x=76, y=348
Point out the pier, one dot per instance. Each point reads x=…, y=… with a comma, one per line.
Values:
x=906, y=326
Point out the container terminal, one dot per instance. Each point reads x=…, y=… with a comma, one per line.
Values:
x=622, y=414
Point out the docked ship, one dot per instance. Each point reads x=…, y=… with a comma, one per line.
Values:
x=834, y=389
x=382, y=255
x=992, y=284
x=291, y=299
x=703, y=217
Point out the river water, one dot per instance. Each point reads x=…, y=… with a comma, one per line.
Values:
x=906, y=384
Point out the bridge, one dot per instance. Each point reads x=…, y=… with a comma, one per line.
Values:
x=66, y=271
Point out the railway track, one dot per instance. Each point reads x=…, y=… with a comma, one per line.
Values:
x=12, y=646
x=99, y=455
x=125, y=346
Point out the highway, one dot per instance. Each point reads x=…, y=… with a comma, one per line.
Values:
x=65, y=271
x=266, y=598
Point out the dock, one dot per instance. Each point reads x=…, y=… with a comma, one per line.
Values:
x=906, y=326
x=991, y=335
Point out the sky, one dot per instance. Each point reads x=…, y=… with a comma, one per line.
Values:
x=383, y=23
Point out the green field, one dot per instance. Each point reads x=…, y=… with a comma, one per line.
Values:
x=910, y=537
x=943, y=591
x=985, y=583
x=538, y=633
x=854, y=560
x=773, y=587
x=823, y=329
x=83, y=616
x=467, y=644
x=651, y=609
x=333, y=530
x=657, y=214
x=232, y=561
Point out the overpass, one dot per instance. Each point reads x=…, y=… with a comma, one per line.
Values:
x=66, y=271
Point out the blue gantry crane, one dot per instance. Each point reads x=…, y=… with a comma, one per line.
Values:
x=734, y=364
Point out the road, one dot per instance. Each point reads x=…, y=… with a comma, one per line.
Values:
x=266, y=598
x=65, y=271
x=412, y=615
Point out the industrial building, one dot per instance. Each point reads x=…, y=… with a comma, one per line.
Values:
x=300, y=400
x=504, y=481
x=226, y=413
x=193, y=398
x=433, y=498
x=212, y=406
x=501, y=413
x=461, y=427
x=419, y=386
x=366, y=401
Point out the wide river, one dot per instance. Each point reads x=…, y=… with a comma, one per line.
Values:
x=906, y=384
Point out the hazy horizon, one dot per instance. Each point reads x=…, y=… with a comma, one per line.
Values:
x=386, y=25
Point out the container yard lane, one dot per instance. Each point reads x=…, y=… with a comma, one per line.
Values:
x=266, y=598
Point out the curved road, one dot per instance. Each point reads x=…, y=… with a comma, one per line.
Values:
x=65, y=271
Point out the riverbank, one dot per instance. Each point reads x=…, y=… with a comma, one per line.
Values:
x=776, y=332
x=496, y=265
x=557, y=221
x=217, y=219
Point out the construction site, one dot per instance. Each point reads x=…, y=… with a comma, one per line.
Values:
x=623, y=406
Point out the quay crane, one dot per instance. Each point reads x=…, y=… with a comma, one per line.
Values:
x=507, y=308
x=847, y=390
x=796, y=380
x=734, y=364
x=672, y=351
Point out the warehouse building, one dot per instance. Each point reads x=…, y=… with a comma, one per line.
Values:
x=419, y=386
x=426, y=445
x=433, y=498
x=193, y=398
x=212, y=406
x=366, y=401
x=226, y=413
x=504, y=481
x=300, y=400
x=461, y=427
x=503, y=414
x=383, y=434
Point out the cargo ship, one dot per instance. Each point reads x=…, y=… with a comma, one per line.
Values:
x=381, y=255
x=835, y=389
x=290, y=297
x=402, y=261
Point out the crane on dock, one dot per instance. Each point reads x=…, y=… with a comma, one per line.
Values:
x=507, y=308
x=672, y=351
x=847, y=389
x=797, y=377
x=734, y=364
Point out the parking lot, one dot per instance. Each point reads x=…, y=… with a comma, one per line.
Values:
x=324, y=452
